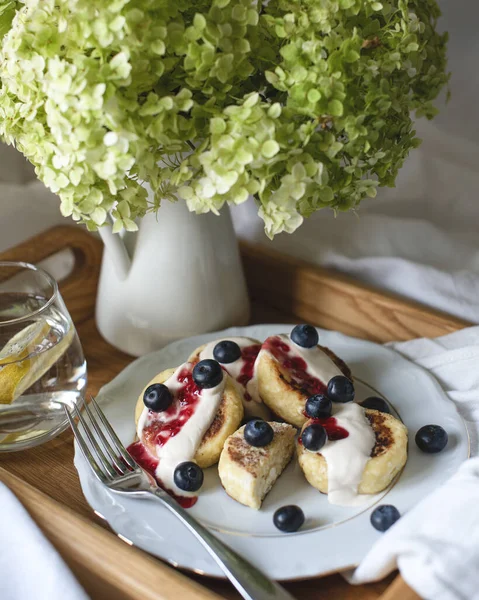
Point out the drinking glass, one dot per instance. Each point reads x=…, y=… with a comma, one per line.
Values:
x=42, y=367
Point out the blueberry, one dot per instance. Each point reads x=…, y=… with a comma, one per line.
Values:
x=188, y=476
x=247, y=419
x=226, y=352
x=314, y=437
x=431, y=439
x=384, y=516
x=318, y=407
x=157, y=397
x=207, y=373
x=305, y=336
x=341, y=389
x=288, y=518
x=376, y=404
x=258, y=433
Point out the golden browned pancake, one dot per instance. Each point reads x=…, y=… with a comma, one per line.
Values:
x=253, y=407
x=226, y=421
x=388, y=456
x=339, y=362
x=282, y=395
x=383, y=431
x=195, y=355
x=248, y=473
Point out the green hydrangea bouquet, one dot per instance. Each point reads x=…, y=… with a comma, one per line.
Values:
x=302, y=104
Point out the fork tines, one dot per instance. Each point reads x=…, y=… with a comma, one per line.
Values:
x=99, y=443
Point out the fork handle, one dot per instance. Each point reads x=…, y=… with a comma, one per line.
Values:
x=250, y=582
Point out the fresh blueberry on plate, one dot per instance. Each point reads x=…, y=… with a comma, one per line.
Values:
x=188, y=476
x=376, y=404
x=431, y=439
x=157, y=397
x=288, y=518
x=384, y=516
x=305, y=336
x=314, y=437
x=318, y=407
x=258, y=433
x=207, y=373
x=341, y=389
x=226, y=352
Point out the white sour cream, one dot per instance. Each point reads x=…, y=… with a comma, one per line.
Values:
x=183, y=446
x=253, y=406
x=347, y=458
x=319, y=365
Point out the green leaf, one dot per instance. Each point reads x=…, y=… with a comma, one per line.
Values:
x=335, y=108
x=313, y=96
x=7, y=12
x=326, y=194
x=352, y=56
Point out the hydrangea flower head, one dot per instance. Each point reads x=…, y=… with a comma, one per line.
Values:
x=298, y=103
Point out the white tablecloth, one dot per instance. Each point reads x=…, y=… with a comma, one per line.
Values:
x=30, y=568
x=436, y=544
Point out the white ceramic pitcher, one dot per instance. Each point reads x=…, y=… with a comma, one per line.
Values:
x=179, y=275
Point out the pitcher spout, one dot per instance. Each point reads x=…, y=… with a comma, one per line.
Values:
x=117, y=251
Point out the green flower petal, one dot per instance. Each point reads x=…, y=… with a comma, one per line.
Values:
x=301, y=104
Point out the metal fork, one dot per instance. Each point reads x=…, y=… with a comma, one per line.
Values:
x=116, y=469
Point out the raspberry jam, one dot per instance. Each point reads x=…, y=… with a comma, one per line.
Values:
x=249, y=355
x=146, y=461
x=296, y=367
x=149, y=463
x=157, y=432
x=334, y=431
x=183, y=501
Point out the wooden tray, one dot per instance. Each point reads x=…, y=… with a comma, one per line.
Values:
x=282, y=289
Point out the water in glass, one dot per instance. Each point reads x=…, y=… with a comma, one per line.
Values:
x=42, y=366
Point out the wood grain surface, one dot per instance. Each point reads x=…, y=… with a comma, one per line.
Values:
x=96, y=557
x=282, y=290
x=334, y=301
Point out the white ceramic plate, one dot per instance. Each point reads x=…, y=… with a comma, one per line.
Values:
x=333, y=538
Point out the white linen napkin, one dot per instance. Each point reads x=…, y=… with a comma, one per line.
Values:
x=436, y=544
x=29, y=565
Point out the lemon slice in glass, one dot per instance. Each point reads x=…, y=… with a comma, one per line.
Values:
x=20, y=367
